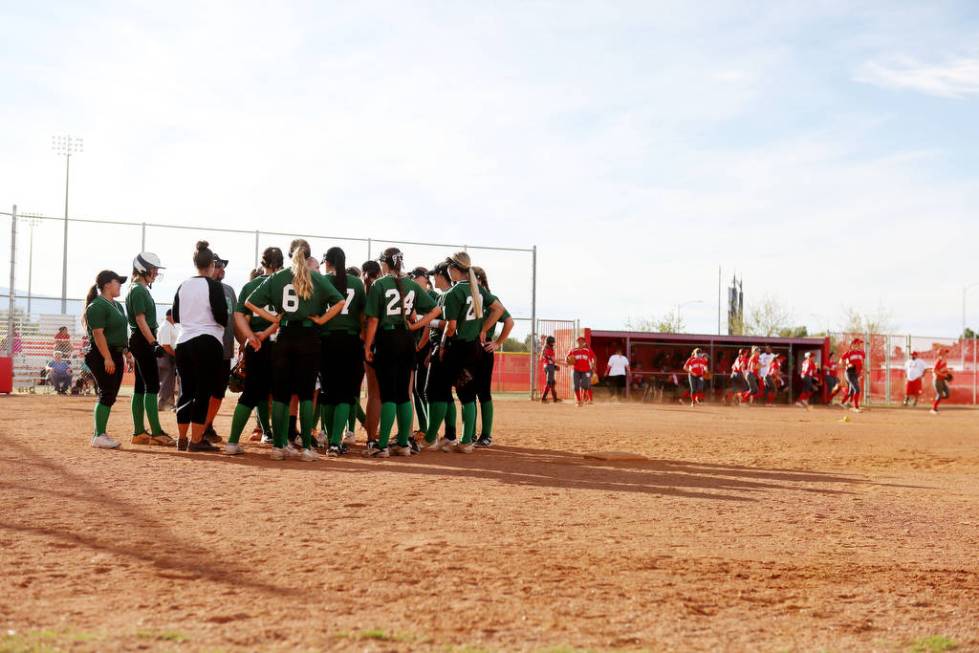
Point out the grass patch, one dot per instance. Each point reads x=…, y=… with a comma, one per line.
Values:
x=43, y=641
x=162, y=636
x=376, y=634
x=933, y=644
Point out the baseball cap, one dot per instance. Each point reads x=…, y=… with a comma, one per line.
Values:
x=106, y=276
x=420, y=271
x=223, y=262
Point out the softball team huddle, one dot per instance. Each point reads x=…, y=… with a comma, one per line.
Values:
x=299, y=328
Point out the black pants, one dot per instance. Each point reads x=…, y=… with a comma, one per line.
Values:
x=484, y=376
x=616, y=385
x=421, y=373
x=394, y=360
x=106, y=385
x=438, y=383
x=147, y=372
x=341, y=367
x=465, y=360
x=258, y=375
x=295, y=363
x=199, y=362
x=224, y=378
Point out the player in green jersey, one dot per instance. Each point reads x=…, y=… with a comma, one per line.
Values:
x=484, y=379
x=342, y=358
x=390, y=302
x=105, y=320
x=438, y=384
x=145, y=350
x=465, y=333
x=258, y=357
x=300, y=299
x=423, y=348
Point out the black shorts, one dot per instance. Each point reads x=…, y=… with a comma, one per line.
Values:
x=147, y=372
x=438, y=384
x=465, y=360
x=106, y=385
x=484, y=376
x=341, y=367
x=199, y=364
x=295, y=363
x=258, y=375
x=394, y=361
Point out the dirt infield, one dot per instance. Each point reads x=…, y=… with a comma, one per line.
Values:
x=747, y=529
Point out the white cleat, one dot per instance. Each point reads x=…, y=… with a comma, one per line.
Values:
x=932, y=411
x=431, y=446
x=233, y=449
x=291, y=452
x=309, y=456
x=277, y=454
x=447, y=446
x=464, y=448
x=856, y=410
x=400, y=451
x=322, y=441
x=349, y=437
x=104, y=442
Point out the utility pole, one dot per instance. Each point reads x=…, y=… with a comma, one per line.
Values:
x=66, y=146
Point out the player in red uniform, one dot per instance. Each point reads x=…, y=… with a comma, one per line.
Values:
x=775, y=379
x=696, y=367
x=853, y=359
x=752, y=369
x=809, y=373
x=830, y=378
x=583, y=360
x=738, y=383
x=549, y=360
x=942, y=376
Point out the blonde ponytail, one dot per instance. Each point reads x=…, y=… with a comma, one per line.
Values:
x=302, y=281
x=462, y=262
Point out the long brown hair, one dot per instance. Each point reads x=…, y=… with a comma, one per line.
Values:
x=461, y=261
x=302, y=280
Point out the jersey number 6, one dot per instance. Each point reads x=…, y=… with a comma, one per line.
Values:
x=290, y=300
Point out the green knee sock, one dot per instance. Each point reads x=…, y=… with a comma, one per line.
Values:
x=306, y=422
x=468, y=422
x=238, y=422
x=405, y=417
x=341, y=413
x=486, y=411
x=136, y=405
x=327, y=411
x=153, y=413
x=422, y=409
x=263, y=417
x=101, y=415
x=436, y=413
x=359, y=413
x=388, y=410
x=280, y=424
x=450, y=419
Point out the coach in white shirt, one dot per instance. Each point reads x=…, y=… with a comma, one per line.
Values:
x=616, y=373
x=914, y=369
x=167, y=337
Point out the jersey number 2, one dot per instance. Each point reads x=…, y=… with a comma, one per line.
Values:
x=393, y=297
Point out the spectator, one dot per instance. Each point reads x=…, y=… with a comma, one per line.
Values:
x=167, y=337
x=231, y=299
x=914, y=370
x=616, y=373
x=62, y=342
x=59, y=373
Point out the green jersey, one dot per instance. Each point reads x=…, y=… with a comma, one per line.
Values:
x=435, y=298
x=279, y=292
x=491, y=332
x=140, y=302
x=459, y=307
x=255, y=322
x=349, y=318
x=384, y=301
x=110, y=316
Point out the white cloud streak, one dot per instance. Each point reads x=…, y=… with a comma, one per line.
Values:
x=957, y=77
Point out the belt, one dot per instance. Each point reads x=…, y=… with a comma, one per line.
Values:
x=393, y=327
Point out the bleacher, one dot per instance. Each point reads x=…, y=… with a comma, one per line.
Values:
x=36, y=347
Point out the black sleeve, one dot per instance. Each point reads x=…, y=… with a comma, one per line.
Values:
x=176, y=306
x=219, y=307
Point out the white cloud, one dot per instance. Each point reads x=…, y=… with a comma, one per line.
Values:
x=956, y=77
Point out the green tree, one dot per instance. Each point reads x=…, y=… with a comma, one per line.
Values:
x=769, y=317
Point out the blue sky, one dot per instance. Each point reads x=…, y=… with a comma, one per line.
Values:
x=825, y=151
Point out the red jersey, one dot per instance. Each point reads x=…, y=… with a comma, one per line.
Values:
x=829, y=369
x=584, y=359
x=696, y=366
x=548, y=356
x=809, y=368
x=737, y=367
x=940, y=369
x=775, y=367
x=754, y=365
x=854, y=358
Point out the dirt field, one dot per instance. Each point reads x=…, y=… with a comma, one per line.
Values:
x=748, y=529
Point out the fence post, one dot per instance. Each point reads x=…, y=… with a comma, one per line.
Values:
x=13, y=280
x=974, y=342
x=868, y=377
x=256, y=248
x=368, y=249
x=887, y=369
x=533, y=322
x=142, y=246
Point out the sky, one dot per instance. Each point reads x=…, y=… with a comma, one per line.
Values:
x=825, y=152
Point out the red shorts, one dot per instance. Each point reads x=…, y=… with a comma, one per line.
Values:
x=912, y=388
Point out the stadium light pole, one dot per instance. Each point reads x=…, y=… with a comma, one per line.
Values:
x=32, y=221
x=66, y=146
x=676, y=311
